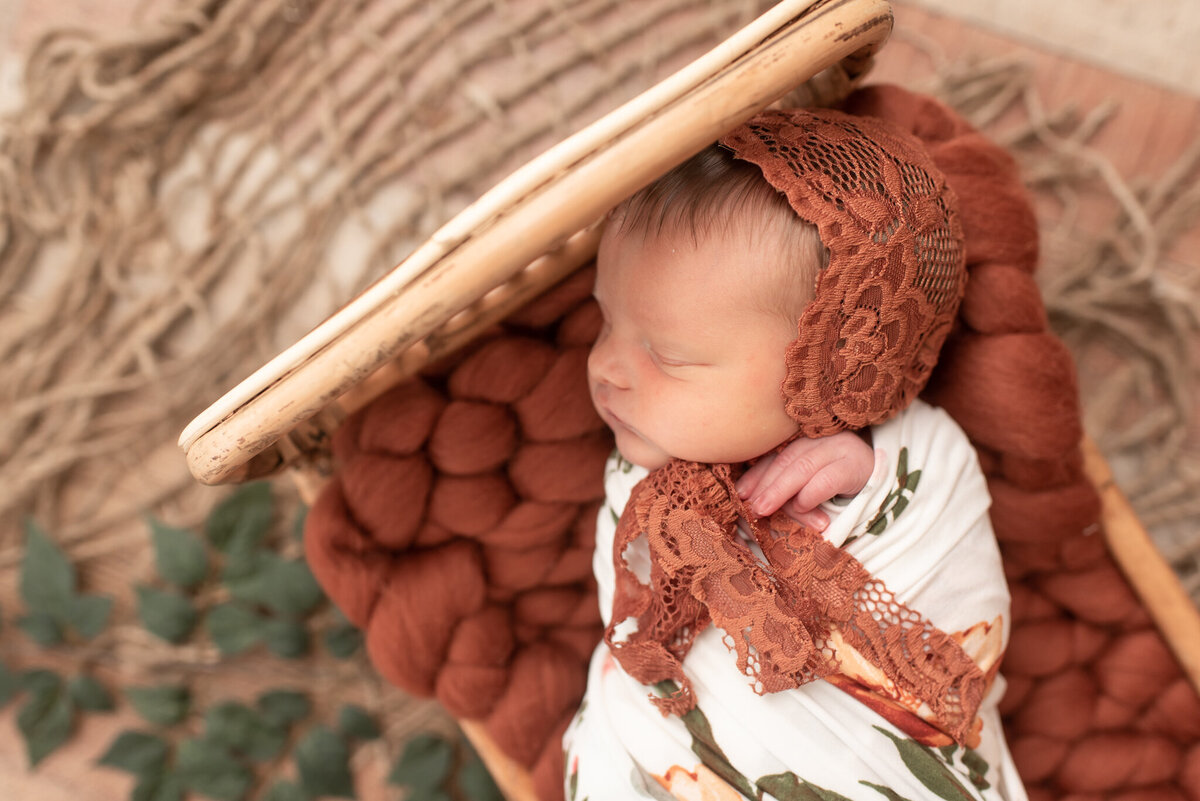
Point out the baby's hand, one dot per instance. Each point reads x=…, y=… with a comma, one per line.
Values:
x=807, y=473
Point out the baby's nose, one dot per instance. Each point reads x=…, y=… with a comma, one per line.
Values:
x=605, y=365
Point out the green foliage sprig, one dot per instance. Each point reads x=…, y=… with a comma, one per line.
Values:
x=48, y=587
x=433, y=768
x=233, y=586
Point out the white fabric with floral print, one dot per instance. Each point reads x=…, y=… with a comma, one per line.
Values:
x=920, y=525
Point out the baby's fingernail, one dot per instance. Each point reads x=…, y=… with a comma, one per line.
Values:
x=740, y=486
x=820, y=521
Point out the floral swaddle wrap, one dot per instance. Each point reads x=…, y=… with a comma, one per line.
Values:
x=921, y=527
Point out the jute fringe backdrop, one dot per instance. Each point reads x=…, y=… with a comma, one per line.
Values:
x=182, y=203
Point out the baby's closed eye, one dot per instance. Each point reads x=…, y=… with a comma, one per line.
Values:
x=669, y=364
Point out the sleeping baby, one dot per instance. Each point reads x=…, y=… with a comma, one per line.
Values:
x=802, y=594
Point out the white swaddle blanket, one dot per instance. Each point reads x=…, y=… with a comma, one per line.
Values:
x=920, y=525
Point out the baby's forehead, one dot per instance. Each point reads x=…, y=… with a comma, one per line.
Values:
x=768, y=252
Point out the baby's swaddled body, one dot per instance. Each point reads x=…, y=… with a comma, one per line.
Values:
x=921, y=526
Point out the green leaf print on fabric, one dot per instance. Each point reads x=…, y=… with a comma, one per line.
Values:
x=886, y=792
x=704, y=745
x=789, y=787
x=896, y=500
x=978, y=768
x=929, y=770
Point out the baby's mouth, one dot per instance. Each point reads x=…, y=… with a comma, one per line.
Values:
x=611, y=419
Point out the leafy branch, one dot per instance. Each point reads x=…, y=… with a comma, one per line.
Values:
x=235, y=588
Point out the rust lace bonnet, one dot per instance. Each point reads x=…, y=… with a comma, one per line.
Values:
x=870, y=337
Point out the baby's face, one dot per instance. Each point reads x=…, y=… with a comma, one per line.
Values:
x=690, y=361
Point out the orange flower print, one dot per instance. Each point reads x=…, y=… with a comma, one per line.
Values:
x=700, y=784
x=868, y=684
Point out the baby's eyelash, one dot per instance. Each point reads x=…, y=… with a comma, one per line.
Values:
x=663, y=361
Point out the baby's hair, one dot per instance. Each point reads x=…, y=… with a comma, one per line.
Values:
x=715, y=194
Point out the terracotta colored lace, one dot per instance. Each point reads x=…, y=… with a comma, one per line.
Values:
x=778, y=614
x=865, y=347
x=868, y=341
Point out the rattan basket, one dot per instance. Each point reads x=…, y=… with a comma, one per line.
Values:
x=539, y=225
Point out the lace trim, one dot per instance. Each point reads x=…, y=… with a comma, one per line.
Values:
x=778, y=614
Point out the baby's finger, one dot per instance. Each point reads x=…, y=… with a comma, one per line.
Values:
x=772, y=494
x=833, y=479
x=752, y=478
x=814, y=518
x=791, y=469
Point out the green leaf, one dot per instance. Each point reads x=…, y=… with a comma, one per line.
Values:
x=974, y=762
x=179, y=555
x=287, y=639
x=10, y=684
x=40, y=680
x=240, y=522
x=234, y=627
x=704, y=744
x=163, y=705
x=978, y=768
x=166, y=614
x=477, y=784
x=267, y=742
x=158, y=787
x=913, y=479
x=46, y=718
x=323, y=761
x=283, y=790
x=886, y=792
x=431, y=794
x=89, y=694
x=284, y=707
x=902, y=464
x=208, y=768
x=789, y=787
x=355, y=722
x=137, y=752
x=230, y=723
x=242, y=565
x=89, y=614
x=244, y=730
x=901, y=505
x=343, y=640
x=47, y=577
x=425, y=763
x=929, y=770
x=42, y=628
x=282, y=585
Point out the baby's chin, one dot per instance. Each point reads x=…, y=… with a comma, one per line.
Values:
x=636, y=450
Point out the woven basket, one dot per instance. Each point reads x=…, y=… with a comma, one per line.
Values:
x=539, y=226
